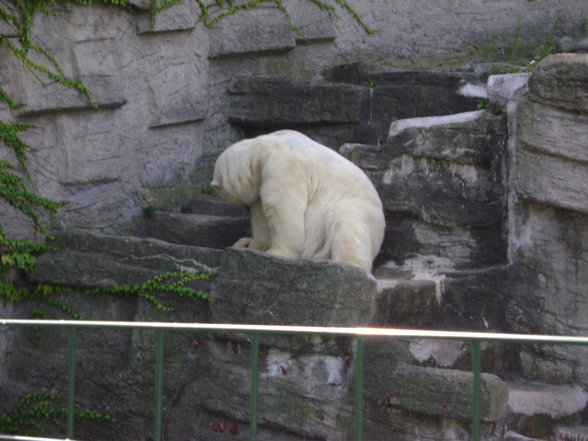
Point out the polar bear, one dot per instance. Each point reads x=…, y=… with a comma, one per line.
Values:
x=305, y=200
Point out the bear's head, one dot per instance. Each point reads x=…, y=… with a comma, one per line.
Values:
x=237, y=174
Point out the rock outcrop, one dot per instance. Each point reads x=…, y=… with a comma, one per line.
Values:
x=306, y=383
x=161, y=88
x=550, y=234
x=486, y=229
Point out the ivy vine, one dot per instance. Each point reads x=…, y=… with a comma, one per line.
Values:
x=170, y=282
x=35, y=409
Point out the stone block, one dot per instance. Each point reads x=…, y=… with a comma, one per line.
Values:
x=579, y=46
x=552, y=180
x=197, y=229
x=514, y=436
x=504, y=89
x=214, y=206
x=91, y=260
x=575, y=432
x=269, y=102
x=88, y=152
x=259, y=30
x=438, y=353
x=555, y=401
x=7, y=28
x=407, y=94
x=42, y=98
x=547, y=296
x=476, y=299
x=441, y=180
x=471, y=138
x=445, y=393
x=407, y=303
x=560, y=81
x=553, y=132
x=467, y=138
x=182, y=16
x=300, y=394
x=171, y=102
x=314, y=22
x=538, y=409
x=552, y=247
x=255, y=287
x=97, y=66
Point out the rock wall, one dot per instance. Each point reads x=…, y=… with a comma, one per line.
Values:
x=486, y=214
x=306, y=383
x=550, y=234
x=163, y=92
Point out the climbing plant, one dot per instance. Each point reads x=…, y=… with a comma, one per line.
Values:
x=14, y=176
x=36, y=409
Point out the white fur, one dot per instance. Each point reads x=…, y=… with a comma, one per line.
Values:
x=305, y=199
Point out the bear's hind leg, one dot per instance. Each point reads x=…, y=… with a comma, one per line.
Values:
x=348, y=246
x=356, y=232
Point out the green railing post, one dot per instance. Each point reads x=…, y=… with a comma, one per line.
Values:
x=476, y=391
x=254, y=397
x=159, y=353
x=71, y=381
x=358, y=392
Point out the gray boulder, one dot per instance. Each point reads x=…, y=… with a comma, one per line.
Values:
x=255, y=287
x=94, y=260
x=360, y=103
x=446, y=392
x=560, y=81
x=441, y=182
x=410, y=402
x=407, y=303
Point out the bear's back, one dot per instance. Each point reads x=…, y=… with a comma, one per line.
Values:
x=316, y=156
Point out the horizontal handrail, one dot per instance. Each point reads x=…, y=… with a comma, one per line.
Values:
x=288, y=329
x=30, y=438
x=475, y=338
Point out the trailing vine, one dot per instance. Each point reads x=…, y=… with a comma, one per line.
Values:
x=162, y=284
x=35, y=409
x=148, y=290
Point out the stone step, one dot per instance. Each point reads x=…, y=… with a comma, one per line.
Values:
x=403, y=302
x=537, y=409
x=571, y=433
x=94, y=260
x=555, y=401
x=435, y=399
x=440, y=181
x=203, y=230
x=513, y=436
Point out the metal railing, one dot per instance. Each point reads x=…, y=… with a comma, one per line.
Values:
x=360, y=334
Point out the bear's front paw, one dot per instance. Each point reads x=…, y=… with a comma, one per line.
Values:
x=282, y=252
x=251, y=244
